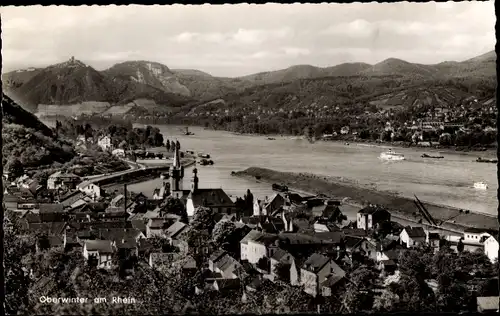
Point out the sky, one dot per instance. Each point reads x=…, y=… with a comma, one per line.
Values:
x=236, y=40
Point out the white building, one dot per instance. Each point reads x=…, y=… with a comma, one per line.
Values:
x=475, y=236
x=118, y=152
x=104, y=142
x=90, y=189
x=102, y=250
x=491, y=248
x=412, y=236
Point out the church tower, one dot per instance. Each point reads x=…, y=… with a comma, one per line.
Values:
x=176, y=173
x=194, y=180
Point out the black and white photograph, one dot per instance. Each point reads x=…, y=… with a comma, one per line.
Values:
x=333, y=158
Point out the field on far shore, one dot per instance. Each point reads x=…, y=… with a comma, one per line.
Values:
x=399, y=206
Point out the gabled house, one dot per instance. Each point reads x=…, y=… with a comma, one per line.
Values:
x=389, y=251
x=215, y=199
x=100, y=250
x=269, y=205
x=491, y=248
x=157, y=227
x=412, y=237
x=323, y=225
x=315, y=270
x=244, y=249
x=262, y=246
x=227, y=267
x=174, y=235
x=280, y=256
x=371, y=216
x=475, y=235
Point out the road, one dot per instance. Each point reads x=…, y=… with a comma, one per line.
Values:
x=133, y=166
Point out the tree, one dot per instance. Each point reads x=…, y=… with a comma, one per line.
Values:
x=248, y=200
x=15, y=167
x=282, y=271
x=203, y=219
x=460, y=246
x=223, y=232
x=175, y=206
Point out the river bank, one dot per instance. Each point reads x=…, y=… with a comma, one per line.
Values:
x=398, y=206
x=117, y=184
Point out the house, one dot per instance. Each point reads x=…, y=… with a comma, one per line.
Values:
x=371, y=216
x=174, y=233
x=244, y=250
x=432, y=239
x=118, y=152
x=104, y=142
x=315, y=270
x=226, y=285
x=475, y=235
x=157, y=227
x=62, y=180
x=330, y=283
x=215, y=199
x=227, y=267
x=389, y=251
x=487, y=304
x=323, y=225
x=491, y=248
x=412, y=236
x=279, y=257
x=90, y=189
x=269, y=205
x=119, y=234
x=262, y=246
x=101, y=250
x=48, y=242
x=158, y=259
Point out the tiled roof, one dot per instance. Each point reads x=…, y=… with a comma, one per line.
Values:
x=102, y=246
x=355, y=232
x=45, y=217
x=226, y=284
x=176, y=228
x=216, y=255
x=115, y=234
x=52, y=228
x=210, y=197
x=332, y=280
x=315, y=262
x=279, y=254
x=371, y=210
x=50, y=208
x=351, y=241
x=415, y=232
x=266, y=239
x=252, y=235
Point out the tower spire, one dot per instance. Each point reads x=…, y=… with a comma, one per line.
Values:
x=177, y=159
x=194, y=180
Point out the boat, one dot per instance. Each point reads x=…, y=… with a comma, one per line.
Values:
x=480, y=185
x=187, y=132
x=164, y=175
x=202, y=155
x=480, y=159
x=279, y=187
x=429, y=156
x=205, y=162
x=271, y=138
x=391, y=155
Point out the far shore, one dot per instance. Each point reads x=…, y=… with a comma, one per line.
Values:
x=399, y=207
x=489, y=152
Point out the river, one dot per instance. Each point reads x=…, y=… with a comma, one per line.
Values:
x=445, y=181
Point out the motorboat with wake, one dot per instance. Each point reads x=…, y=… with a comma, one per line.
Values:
x=480, y=186
x=391, y=156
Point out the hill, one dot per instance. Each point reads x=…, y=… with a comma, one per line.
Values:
x=12, y=113
x=151, y=74
x=394, y=66
x=65, y=83
x=26, y=139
